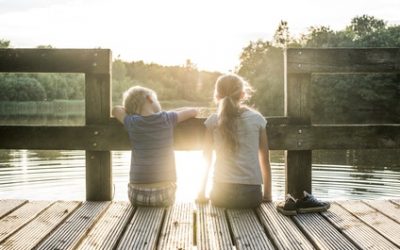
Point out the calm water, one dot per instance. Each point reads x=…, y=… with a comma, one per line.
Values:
x=35, y=175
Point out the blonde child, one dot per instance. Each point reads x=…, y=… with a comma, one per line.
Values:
x=238, y=135
x=152, y=171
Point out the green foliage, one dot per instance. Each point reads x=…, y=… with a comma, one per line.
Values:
x=354, y=97
x=4, y=43
x=21, y=88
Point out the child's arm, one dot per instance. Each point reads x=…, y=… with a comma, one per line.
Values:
x=186, y=113
x=207, y=154
x=119, y=113
x=263, y=156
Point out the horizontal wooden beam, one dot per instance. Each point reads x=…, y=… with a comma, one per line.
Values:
x=343, y=60
x=189, y=135
x=96, y=61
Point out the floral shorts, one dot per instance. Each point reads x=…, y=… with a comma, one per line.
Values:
x=147, y=195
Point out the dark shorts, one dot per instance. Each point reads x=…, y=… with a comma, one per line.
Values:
x=152, y=196
x=230, y=195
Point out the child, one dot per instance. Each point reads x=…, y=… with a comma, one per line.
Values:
x=152, y=172
x=239, y=137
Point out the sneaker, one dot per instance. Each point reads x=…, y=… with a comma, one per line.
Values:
x=288, y=207
x=310, y=204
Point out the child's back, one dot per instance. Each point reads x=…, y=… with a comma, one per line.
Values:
x=152, y=172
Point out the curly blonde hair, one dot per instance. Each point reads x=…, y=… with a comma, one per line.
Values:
x=134, y=99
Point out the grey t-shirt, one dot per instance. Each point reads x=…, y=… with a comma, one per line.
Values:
x=153, y=158
x=243, y=167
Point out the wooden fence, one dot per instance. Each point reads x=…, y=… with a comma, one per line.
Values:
x=293, y=133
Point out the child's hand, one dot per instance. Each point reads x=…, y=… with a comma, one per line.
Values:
x=201, y=198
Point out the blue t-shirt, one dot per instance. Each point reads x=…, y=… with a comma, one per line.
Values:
x=152, y=158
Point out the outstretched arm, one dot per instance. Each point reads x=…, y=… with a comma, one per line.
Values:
x=185, y=113
x=207, y=154
x=263, y=156
x=119, y=113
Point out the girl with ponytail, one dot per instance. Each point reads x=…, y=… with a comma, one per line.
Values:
x=238, y=135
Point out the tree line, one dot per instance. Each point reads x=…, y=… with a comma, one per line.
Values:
x=261, y=63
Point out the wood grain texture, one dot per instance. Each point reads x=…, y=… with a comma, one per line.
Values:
x=143, y=230
x=7, y=206
x=360, y=233
x=339, y=60
x=281, y=229
x=55, y=60
x=247, y=231
x=40, y=227
x=69, y=234
x=108, y=229
x=212, y=228
x=380, y=222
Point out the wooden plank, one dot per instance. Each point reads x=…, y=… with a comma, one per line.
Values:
x=381, y=223
x=112, y=136
x=177, y=231
x=17, y=219
x=281, y=229
x=107, y=231
x=357, y=231
x=247, y=230
x=143, y=230
x=297, y=105
x=337, y=60
x=71, y=232
x=7, y=206
x=30, y=235
x=366, y=136
x=390, y=209
x=55, y=60
x=212, y=228
x=321, y=233
x=97, y=111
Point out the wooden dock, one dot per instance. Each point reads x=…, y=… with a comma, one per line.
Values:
x=118, y=225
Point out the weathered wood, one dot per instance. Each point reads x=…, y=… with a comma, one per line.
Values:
x=34, y=232
x=98, y=163
x=177, y=232
x=357, y=231
x=321, y=233
x=386, y=207
x=247, y=230
x=17, y=219
x=281, y=229
x=381, y=223
x=108, y=229
x=304, y=137
x=55, y=60
x=335, y=60
x=212, y=228
x=71, y=232
x=297, y=106
x=143, y=230
x=7, y=206
x=112, y=136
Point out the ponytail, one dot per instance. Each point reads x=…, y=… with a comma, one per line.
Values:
x=228, y=111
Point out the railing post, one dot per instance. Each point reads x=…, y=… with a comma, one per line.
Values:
x=297, y=108
x=98, y=163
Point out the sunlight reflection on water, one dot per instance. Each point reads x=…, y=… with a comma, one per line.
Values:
x=44, y=175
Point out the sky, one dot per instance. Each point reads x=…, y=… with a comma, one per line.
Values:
x=211, y=33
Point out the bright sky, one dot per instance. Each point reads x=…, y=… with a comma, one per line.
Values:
x=211, y=33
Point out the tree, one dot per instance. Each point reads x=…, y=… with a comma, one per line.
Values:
x=4, y=43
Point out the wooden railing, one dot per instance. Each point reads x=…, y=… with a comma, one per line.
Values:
x=293, y=133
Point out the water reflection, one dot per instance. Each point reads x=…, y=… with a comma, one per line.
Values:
x=27, y=174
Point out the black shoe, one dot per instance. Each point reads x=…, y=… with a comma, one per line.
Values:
x=288, y=207
x=310, y=204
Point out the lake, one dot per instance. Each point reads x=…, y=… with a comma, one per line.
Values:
x=56, y=175
x=39, y=174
